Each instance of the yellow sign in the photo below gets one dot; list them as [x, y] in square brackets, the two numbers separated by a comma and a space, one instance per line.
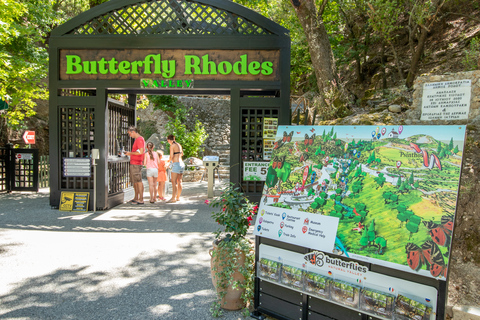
[74, 201]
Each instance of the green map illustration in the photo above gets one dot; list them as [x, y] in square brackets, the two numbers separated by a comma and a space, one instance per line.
[393, 188]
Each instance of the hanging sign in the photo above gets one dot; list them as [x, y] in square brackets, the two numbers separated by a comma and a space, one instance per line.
[29, 137]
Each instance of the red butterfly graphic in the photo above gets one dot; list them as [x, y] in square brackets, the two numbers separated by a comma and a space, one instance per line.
[441, 233]
[277, 144]
[303, 157]
[438, 266]
[287, 137]
[278, 162]
[309, 140]
[418, 256]
[298, 132]
[312, 130]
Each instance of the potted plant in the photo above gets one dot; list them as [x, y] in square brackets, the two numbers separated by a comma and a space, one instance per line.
[232, 256]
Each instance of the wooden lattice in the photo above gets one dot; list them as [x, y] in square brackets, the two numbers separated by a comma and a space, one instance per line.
[177, 17]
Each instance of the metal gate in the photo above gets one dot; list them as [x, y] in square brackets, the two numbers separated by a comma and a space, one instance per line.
[18, 169]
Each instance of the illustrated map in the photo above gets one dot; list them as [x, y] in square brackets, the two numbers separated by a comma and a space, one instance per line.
[393, 188]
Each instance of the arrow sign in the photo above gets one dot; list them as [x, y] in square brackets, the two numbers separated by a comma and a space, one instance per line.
[29, 137]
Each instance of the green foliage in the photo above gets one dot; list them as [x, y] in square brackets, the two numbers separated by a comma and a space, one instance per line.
[190, 139]
[471, 54]
[165, 103]
[234, 214]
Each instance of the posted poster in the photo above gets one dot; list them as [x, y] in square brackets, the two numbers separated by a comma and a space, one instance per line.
[393, 189]
[270, 126]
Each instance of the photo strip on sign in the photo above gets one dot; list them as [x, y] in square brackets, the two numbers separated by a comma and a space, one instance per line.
[388, 193]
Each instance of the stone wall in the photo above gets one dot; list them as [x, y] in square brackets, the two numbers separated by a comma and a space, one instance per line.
[214, 113]
[414, 113]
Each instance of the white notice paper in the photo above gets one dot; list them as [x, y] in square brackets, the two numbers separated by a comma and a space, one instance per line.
[448, 100]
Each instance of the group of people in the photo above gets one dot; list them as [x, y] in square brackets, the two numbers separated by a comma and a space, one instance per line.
[156, 168]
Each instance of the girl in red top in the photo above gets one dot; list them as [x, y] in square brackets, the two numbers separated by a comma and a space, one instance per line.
[162, 176]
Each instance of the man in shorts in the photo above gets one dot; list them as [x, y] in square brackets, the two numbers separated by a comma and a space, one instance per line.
[136, 164]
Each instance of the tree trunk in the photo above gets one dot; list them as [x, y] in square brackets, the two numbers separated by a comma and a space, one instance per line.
[416, 58]
[319, 45]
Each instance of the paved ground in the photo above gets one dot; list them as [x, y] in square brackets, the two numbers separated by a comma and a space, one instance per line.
[131, 262]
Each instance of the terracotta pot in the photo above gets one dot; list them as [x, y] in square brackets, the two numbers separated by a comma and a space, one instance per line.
[232, 300]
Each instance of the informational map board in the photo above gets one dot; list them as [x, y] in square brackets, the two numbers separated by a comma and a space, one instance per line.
[74, 201]
[392, 190]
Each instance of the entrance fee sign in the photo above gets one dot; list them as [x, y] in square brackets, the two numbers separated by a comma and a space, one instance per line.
[255, 170]
[299, 228]
[448, 100]
[393, 189]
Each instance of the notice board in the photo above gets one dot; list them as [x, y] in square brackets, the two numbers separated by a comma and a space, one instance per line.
[381, 196]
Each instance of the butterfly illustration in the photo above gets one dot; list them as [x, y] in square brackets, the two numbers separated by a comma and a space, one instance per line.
[278, 144]
[418, 256]
[278, 162]
[312, 258]
[309, 140]
[298, 132]
[303, 157]
[437, 266]
[441, 233]
[287, 137]
[312, 130]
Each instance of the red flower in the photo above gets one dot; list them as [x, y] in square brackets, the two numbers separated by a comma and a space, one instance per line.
[207, 202]
[249, 218]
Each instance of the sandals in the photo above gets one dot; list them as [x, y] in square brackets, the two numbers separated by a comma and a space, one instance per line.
[171, 201]
[133, 201]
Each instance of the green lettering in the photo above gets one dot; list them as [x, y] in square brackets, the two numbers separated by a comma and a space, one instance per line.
[90, 67]
[179, 83]
[189, 83]
[206, 64]
[155, 83]
[112, 66]
[192, 62]
[135, 65]
[171, 84]
[240, 67]
[168, 67]
[267, 68]
[163, 84]
[102, 66]
[124, 67]
[225, 67]
[253, 68]
[147, 62]
[145, 83]
[73, 64]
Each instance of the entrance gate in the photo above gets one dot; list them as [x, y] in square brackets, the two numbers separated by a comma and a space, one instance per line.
[18, 169]
[202, 47]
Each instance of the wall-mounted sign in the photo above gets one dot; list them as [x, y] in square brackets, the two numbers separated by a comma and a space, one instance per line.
[393, 188]
[122, 64]
[255, 170]
[24, 156]
[74, 201]
[269, 132]
[448, 100]
[77, 167]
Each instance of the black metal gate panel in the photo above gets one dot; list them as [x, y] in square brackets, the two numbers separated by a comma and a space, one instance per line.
[18, 169]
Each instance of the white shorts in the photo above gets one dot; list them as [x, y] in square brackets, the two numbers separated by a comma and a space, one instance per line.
[152, 172]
